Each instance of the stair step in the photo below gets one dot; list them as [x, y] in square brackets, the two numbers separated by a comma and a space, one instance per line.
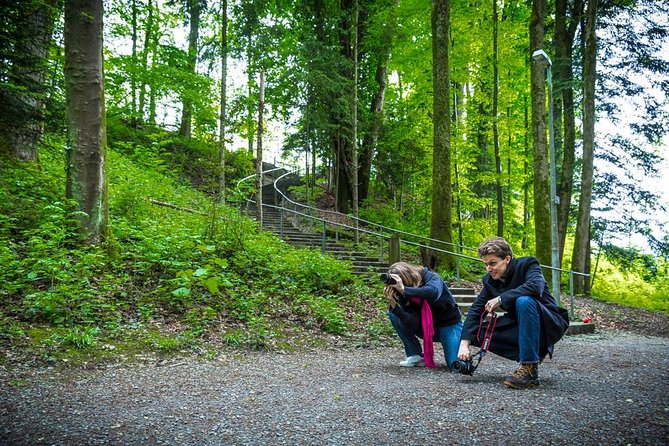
[464, 299]
[362, 263]
[463, 291]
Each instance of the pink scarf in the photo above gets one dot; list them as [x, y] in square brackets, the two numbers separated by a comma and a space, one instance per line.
[428, 332]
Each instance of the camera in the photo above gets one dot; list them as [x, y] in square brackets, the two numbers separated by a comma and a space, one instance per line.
[385, 278]
[464, 367]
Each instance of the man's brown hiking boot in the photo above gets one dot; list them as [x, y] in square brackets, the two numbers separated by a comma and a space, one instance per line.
[526, 376]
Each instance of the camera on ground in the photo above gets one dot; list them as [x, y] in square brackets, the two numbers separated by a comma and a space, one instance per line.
[463, 367]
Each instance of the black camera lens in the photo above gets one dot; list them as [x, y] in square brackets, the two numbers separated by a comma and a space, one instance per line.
[385, 278]
[463, 367]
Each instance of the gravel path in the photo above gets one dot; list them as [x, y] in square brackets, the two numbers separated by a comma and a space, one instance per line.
[610, 388]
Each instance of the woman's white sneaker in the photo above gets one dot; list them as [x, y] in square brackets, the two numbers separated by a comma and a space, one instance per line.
[413, 361]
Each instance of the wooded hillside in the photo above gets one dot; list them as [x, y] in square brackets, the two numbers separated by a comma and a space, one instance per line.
[449, 119]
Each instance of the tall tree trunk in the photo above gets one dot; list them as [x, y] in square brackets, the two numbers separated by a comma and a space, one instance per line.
[376, 110]
[342, 177]
[133, 64]
[440, 227]
[250, 130]
[261, 107]
[495, 124]
[542, 222]
[371, 137]
[582, 240]
[29, 71]
[565, 31]
[146, 49]
[527, 177]
[354, 120]
[155, 39]
[194, 8]
[224, 85]
[86, 181]
[457, 103]
[509, 145]
[343, 148]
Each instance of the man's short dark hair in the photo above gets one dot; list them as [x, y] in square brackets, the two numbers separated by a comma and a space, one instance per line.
[496, 246]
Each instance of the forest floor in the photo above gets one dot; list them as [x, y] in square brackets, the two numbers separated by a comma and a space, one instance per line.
[611, 387]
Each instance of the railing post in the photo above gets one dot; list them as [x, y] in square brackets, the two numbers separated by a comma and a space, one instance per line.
[394, 250]
[556, 289]
[324, 235]
[380, 248]
[281, 223]
[571, 293]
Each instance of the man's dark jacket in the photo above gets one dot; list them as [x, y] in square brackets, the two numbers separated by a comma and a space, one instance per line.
[435, 292]
[523, 278]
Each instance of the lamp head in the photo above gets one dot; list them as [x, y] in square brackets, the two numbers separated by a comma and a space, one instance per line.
[541, 56]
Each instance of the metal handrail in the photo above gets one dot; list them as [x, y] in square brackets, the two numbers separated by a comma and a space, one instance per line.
[253, 175]
[395, 231]
[360, 220]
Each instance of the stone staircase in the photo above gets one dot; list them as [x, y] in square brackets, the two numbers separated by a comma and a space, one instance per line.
[465, 298]
[362, 263]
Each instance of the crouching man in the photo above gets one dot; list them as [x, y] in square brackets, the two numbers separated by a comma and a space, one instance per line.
[532, 322]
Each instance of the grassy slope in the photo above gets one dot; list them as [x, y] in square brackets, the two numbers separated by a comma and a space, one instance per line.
[169, 281]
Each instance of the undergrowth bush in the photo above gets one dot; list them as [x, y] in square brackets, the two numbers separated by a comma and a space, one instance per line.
[167, 268]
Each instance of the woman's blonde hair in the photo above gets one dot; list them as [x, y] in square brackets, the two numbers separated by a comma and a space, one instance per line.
[410, 274]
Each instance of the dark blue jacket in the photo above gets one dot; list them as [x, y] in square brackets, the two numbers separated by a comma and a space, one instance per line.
[435, 292]
[523, 278]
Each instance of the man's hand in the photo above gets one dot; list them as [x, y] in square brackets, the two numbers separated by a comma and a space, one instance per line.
[463, 352]
[493, 304]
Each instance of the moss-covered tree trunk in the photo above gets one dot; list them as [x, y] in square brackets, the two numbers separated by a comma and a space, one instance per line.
[582, 240]
[542, 221]
[84, 92]
[440, 227]
[565, 31]
[28, 74]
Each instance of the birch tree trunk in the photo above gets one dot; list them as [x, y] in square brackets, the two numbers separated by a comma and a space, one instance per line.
[86, 180]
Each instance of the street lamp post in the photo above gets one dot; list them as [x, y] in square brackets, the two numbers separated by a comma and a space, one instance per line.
[540, 56]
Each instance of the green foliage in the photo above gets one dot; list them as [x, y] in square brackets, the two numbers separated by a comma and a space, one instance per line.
[79, 337]
[170, 266]
[627, 288]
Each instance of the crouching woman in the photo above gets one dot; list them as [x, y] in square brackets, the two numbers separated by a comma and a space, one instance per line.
[422, 306]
